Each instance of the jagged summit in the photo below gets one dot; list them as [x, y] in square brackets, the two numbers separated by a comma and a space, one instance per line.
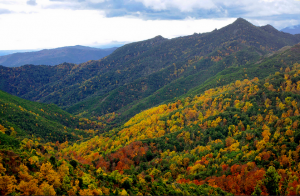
[239, 24]
[241, 21]
[159, 37]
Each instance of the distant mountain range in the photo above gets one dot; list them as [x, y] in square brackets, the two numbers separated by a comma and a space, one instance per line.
[292, 29]
[71, 54]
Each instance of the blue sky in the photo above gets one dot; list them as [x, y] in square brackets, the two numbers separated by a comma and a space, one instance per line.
[38, 24]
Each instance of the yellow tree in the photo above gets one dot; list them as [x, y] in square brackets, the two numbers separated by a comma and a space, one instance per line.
[7, 184]
[266, 133]
[46, 189]
[29, 188]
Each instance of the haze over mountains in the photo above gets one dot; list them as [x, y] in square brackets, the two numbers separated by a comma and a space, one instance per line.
[71, 54]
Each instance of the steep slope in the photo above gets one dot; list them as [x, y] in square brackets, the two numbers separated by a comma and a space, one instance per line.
[234, 62]
[269, 64]
[155, 122]
[22, 119]
[262, 68]
[70, 54]
[136, 71]
[168, 83]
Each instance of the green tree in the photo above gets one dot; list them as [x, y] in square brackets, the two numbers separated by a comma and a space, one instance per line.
[53, 160]
[148, 178]
[257, 190]
[271, 181]
[73, 163]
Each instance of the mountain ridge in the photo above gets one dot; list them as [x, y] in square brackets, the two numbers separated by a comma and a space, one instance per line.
[71, 54]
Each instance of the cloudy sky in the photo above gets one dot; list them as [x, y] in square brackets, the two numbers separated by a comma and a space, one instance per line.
[39, 24]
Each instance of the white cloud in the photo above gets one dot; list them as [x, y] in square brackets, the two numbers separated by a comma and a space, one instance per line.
[31, 2]
[96, 1]
[56, 28]
[185, 6]
[51, 24]
[271, 7]
[249, 7]
[277, 24]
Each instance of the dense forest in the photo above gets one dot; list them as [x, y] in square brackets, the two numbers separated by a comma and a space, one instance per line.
[237, 134]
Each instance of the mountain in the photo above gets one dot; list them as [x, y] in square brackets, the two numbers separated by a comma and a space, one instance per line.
[292, 29]
[143, 74]
[267, 64]
[240, 137]
[70, 54]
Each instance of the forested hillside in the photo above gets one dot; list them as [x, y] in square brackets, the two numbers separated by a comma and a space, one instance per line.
[22, 119]
[261, 68]
[144, 74]
[240, 137]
